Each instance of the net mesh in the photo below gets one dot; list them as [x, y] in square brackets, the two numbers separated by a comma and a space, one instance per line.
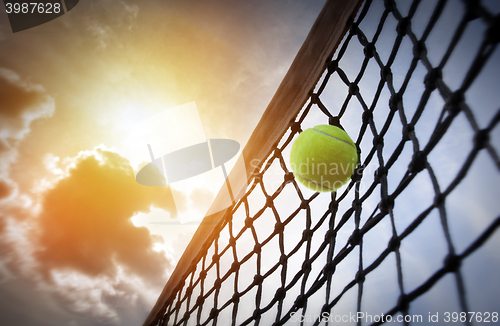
[402, 70]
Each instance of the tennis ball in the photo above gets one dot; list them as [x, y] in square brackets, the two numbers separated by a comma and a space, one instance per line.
[323, 158]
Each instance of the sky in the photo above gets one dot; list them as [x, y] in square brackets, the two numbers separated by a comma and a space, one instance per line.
[81, 242]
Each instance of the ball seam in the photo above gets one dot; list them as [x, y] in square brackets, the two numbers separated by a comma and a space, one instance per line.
[344, 141]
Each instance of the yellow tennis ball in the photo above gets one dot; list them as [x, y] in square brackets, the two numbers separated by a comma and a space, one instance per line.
[323, 158]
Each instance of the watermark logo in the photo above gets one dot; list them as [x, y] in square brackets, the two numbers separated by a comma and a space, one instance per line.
[28, 14]
[194, 166]
[353, 318]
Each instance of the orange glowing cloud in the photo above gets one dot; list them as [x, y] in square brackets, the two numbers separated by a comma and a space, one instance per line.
[85, 221]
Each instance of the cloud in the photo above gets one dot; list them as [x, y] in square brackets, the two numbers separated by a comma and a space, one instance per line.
[21, 102]
[123, 300]
[85, 222]
[82, 228]
[5, 189]
[81, 261]
[106, 19]
[21, 303]
[16, 96]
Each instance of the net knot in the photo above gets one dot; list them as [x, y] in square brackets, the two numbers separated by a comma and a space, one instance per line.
[408, 132]
[378, 140]
[395, 101]
[418, 163]
[353, 89]
[256, 314]
[438, 200]
[369, 50]
[335, 121]
[215, 258]
[379, 174]
[277, 153]
[358, 173]
[493, 33]
[203, 274]
[385, 73]
[332, 66]
[295, 127]
[306, 266]
[386, 204]
[214, 313]
[353, 29]
[394, 243]
[280, 294]
[333, 206]
[330, 268]
[288, 177]
[236, 297]
[472, 10]
[269, 201]
[257, 248]
[283, 259]
[360, 277]
[430, 80]
[278, 227]
[235, 266]
[258, 177]
[300, 301]
[389, 5]
[232, 242]
[315, 98]
[304, 204]
[419, 50]
[186, 315]
[403, 302]
[217, 284]
[257, 279]
[367, 116]
[307, 235]
[355, 238]
[452, 263]
[330, 234]
[453, 105]
[481, 139]
[200, 301]
[403, 26]
[248, 222]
